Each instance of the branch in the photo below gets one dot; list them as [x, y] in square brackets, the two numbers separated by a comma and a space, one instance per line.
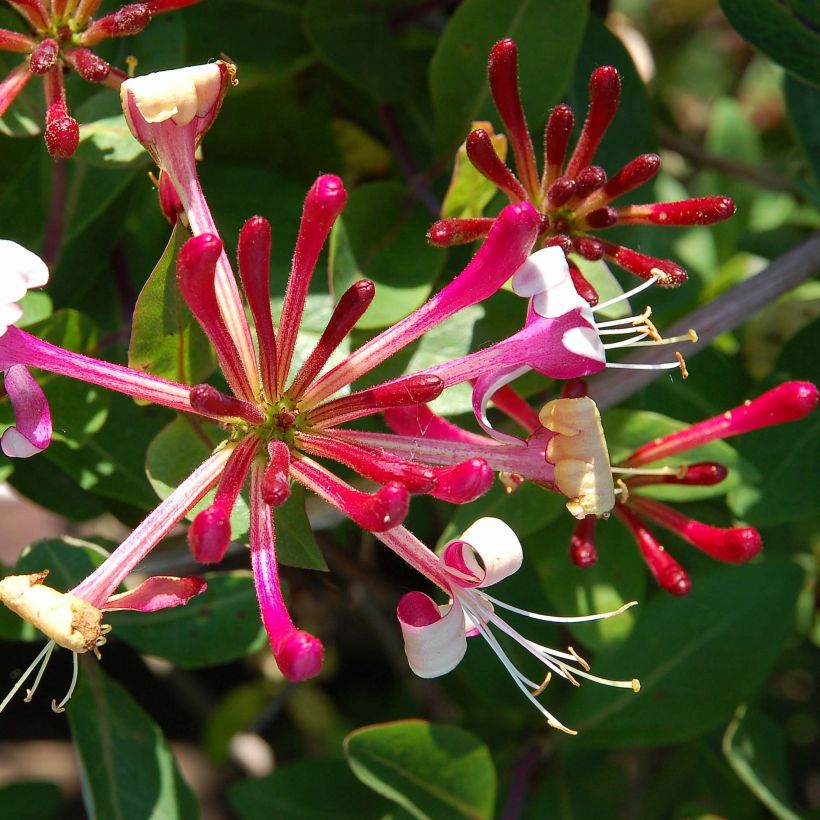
[726, 312]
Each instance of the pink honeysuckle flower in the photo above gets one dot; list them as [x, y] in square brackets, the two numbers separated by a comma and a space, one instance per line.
[789, 401]
[59, 39]
[435, 637]
[561, 338]
[572, 196]
[277, 428]
[21, 270]
[592, 495]
[73, 620]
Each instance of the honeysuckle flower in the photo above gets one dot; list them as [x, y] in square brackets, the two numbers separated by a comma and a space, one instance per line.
[789, 401]
[21, 270]
[278, 423]
[573, 196]
[73, 620]
[59, 39]
[435, 637]
[561, 339]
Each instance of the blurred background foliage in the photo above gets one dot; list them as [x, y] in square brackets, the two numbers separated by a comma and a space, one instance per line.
[187, 714]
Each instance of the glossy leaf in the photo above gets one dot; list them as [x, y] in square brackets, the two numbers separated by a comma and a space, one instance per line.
[127, 765]
[105, 138]
[696, 658]
[430, 771]
[295, 543]
[217, 626]
[548, 34]
[786, 32]
[379, 237]
[357, 40]
[30, 800]
[803, 104]
[755, 746]
[166, 340]
[291, 792]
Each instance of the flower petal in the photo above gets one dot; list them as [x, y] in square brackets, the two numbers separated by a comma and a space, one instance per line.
[434, 642]
[32, 434]
[9, 314]
[159, 592]
[487, 552]
[545, 277]
[16, 259]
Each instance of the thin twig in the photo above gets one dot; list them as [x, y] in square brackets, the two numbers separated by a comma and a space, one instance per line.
[402, 153]
[726, 312]
[702, 158]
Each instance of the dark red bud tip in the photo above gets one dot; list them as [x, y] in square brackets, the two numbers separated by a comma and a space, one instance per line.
[209, 535]
[704, 474]
[741, 544]
[582, 285]
[705, 210]
[633, 175]
[383, 510]
[169, 202]
[589, 248]
[482, 154]
[299, 656]
[675, 580]
[275, 487]
[448, 232]
[561, 241]
[582, 550]
[589, 179]
[562, 190]
[505, 49]
[574, 389]
[129, 20]
[605, 85]
[795, 399]
[89, 66]
[326, 198]
[408, 390]
[62, 136]
[44, 56]
[463, 482]
[556, 137]
[602, 218]
[669, 274]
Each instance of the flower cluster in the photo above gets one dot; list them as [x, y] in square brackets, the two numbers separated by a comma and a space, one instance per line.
[60, 36]
[283, 422]
[572, 196]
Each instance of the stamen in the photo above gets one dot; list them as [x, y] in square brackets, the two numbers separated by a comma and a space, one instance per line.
[59, 708]
[578, 658]
[44, 652]
[634, 341]
[537, 616]
[683, 371]
[543, 686]
[30, 692]
[661, 366]
[678, 472]
[625, 295]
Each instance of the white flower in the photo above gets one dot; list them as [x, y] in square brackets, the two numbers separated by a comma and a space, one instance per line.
[20, 270]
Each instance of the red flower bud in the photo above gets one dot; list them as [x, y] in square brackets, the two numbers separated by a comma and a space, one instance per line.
[448, 232]
[482, 154]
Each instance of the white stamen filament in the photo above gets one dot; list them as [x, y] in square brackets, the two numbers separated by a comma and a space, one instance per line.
[661, 366]
[44, 652]
[635, 340]
[680, 472]
[626, 295]
[40, 673]
[558, 619]
[627, 320]
[60, 707]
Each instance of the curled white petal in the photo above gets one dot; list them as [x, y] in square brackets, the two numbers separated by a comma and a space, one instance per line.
[9, 314]
[488, 550]
[584, 341]
[433, 646]
[545, 277]
[179, 94]
[19, 261]
[15, 445]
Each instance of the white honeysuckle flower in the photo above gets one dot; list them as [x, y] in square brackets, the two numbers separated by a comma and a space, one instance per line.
[435, 637]
[20, 271]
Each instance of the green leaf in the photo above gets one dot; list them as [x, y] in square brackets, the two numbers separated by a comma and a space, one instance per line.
[803, 105]
[175, 452]
[291, 792]
[356, 39]
[166, 340]
[755, 746]
[105, 138]
[295, 543]
[217, 626]
[470, 191]
[30, 800]
[696, 658]
[628, 429]
[381, 237]
[128, 769]
[786, 31]
[618, 576]
[548, 34]
[431, 771]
